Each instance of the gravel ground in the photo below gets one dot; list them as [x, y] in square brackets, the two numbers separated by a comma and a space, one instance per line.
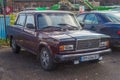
[24, 66]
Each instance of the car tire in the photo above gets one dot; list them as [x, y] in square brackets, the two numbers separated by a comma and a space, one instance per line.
[46, 60]
[15, 48]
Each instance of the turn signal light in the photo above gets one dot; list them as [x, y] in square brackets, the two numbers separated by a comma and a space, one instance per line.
[107, 43]
[61, 48]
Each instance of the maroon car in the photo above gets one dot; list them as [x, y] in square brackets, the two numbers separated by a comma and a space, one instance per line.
[55, 36]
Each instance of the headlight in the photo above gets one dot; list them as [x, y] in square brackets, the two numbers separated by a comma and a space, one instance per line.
[66, 47]
[104, 44]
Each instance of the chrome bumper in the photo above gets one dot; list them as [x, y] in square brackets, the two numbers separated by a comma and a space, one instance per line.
[77, 56]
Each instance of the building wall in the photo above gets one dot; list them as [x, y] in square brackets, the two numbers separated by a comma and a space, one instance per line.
[19, 5]
[106, 2]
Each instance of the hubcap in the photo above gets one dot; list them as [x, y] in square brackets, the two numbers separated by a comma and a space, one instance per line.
[45, 58]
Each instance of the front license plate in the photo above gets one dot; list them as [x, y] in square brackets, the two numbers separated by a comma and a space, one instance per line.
[89, 57]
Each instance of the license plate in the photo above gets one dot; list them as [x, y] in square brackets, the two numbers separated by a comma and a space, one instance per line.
[89, 57]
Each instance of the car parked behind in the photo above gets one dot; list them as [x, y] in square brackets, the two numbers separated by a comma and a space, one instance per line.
[105, 22]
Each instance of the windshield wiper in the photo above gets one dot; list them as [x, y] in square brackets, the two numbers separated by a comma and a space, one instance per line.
[68, 26]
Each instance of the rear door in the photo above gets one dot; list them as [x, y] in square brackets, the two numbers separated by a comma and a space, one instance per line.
[91, 22]
[80, 18]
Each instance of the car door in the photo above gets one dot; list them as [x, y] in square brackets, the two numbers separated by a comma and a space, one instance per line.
[91, 22]
[30, 39]
[18, 29]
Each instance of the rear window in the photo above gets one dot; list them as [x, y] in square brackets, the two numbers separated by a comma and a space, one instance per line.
[112, 17]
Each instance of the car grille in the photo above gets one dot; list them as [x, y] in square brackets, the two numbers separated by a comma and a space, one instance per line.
[88, 44]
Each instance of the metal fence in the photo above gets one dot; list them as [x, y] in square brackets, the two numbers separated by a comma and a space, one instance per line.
[2, 26]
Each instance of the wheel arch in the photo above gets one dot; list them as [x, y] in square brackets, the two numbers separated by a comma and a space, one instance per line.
[44, 44]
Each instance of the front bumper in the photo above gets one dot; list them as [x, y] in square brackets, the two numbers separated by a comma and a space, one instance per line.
[71, 57]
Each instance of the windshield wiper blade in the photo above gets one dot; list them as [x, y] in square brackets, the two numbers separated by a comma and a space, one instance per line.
[69, 26]
[52, 27]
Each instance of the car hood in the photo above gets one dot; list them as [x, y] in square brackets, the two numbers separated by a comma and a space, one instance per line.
[73, 35]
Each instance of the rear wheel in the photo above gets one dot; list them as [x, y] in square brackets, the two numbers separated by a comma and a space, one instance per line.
[14, 46]
[46, 60]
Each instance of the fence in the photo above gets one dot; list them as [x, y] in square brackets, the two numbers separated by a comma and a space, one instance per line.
[2, 26]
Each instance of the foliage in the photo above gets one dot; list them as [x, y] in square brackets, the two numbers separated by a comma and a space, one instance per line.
[12, 18]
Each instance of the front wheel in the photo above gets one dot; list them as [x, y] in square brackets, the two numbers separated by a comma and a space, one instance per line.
[15, 47]
[46, 59]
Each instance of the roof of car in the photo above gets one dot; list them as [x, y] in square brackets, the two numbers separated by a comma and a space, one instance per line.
[108, 11]
[102, 12]
[45, 11]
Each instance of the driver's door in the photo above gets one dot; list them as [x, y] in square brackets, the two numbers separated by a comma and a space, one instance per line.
[91, 22]
[30, 39]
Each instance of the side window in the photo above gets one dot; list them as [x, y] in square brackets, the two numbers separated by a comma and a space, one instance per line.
[95, 20]
[81, 17]
[21, 20]
[91, 19]
[30, 20]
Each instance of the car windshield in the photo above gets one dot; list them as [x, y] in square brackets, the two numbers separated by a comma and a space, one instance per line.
[57, 20]
[112, 17]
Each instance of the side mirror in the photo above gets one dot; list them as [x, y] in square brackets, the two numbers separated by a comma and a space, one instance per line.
[30, 26]
[82, 24]
[14, 23]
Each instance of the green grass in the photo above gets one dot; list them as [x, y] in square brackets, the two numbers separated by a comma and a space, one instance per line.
[3, 42]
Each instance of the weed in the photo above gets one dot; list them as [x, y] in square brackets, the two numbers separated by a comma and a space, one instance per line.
[3, 42]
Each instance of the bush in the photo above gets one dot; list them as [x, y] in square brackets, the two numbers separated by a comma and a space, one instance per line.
[12, 18]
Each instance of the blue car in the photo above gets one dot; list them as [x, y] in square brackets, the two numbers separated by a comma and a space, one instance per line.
[105, 22]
